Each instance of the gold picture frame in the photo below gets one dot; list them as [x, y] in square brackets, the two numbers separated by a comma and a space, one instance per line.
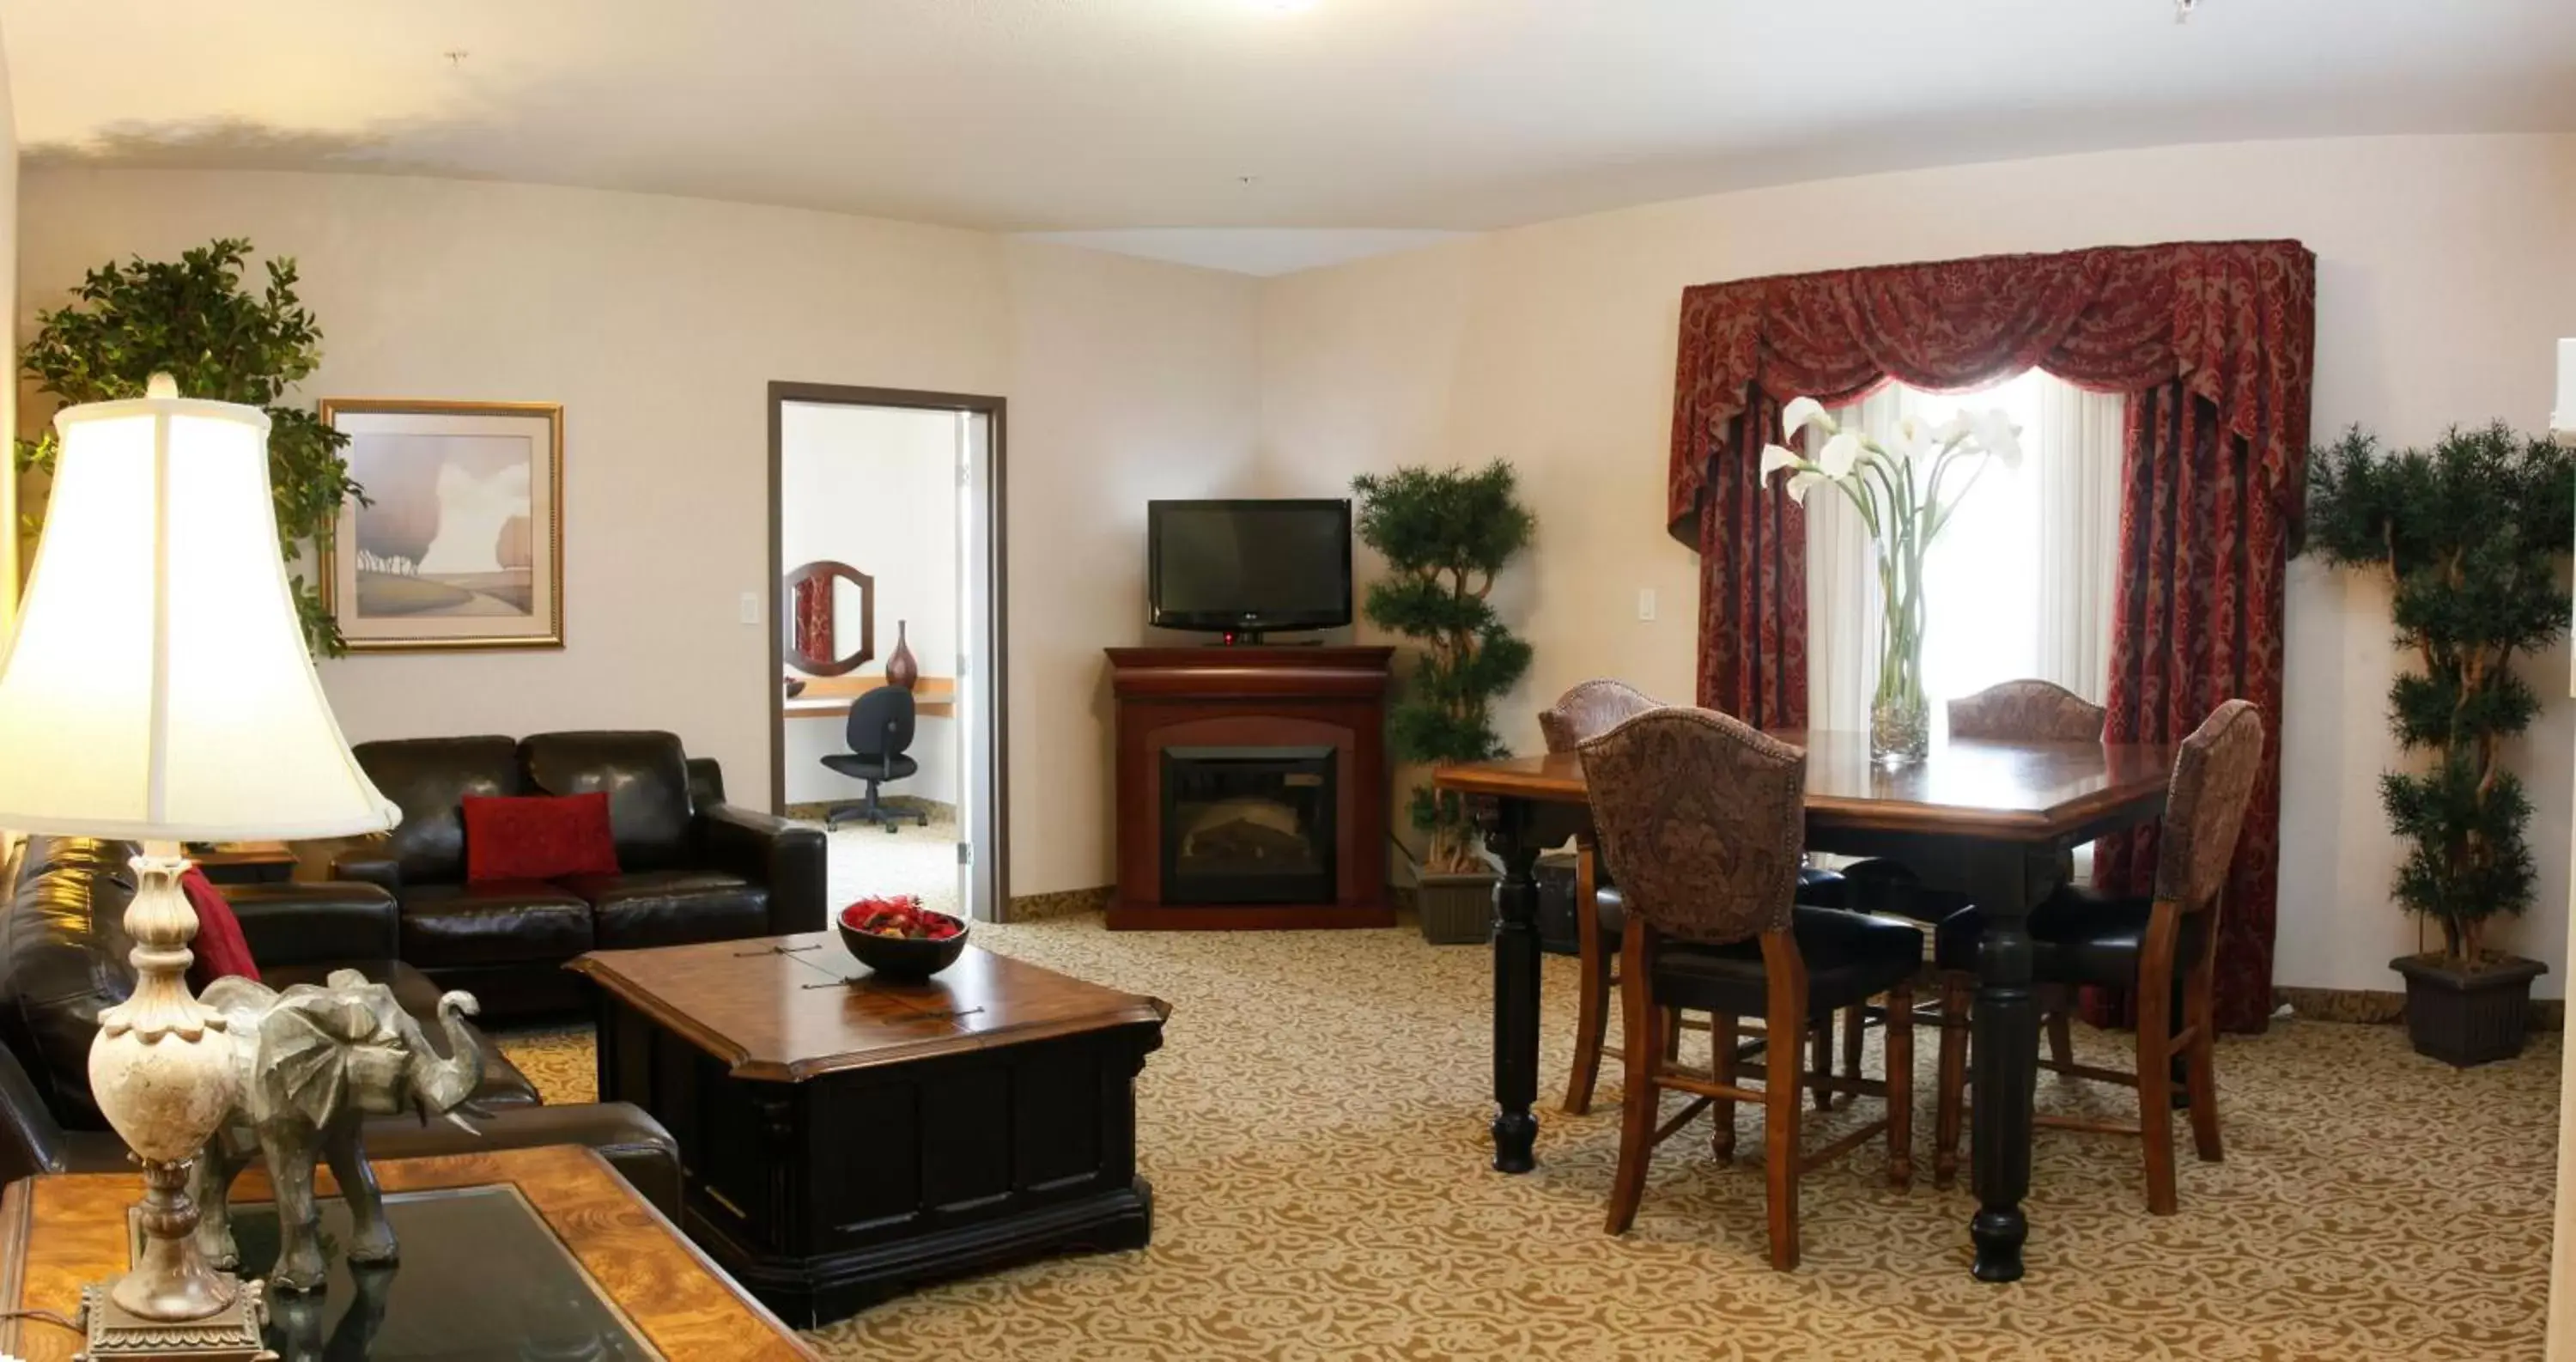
[462, 546]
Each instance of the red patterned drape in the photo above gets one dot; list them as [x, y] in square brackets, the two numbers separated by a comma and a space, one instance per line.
[2215, 342]
[2198, 615]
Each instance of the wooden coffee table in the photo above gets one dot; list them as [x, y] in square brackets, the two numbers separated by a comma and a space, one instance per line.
[846, 1138]
[501, 1252]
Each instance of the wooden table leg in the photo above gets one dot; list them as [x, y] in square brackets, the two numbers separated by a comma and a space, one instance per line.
[2006, 1056]
[1511, 835]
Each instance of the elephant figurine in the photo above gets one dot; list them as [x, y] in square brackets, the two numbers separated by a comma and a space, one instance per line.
[313, 1064]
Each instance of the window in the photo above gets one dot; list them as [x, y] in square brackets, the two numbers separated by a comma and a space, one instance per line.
[2019, 582]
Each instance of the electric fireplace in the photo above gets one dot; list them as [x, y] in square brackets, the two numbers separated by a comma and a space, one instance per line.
[1247, 825]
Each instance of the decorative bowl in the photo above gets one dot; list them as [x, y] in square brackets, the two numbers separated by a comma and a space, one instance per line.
[899, 957]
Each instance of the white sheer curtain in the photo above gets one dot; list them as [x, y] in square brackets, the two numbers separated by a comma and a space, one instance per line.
[2018, 585]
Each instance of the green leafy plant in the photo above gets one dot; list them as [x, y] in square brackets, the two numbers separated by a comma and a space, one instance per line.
[1446, 536]
[2469, 535]
[192, 319]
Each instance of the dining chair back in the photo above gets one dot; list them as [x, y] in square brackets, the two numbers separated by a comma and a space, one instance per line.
[2027, 711]
[2213, 779]
[1705, 818]
[1589, 710]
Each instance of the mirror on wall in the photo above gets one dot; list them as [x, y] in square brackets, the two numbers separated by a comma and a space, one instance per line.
[831, 618]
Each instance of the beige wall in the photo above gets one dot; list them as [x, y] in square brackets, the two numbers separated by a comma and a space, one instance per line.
[658, 323]
[2446, 266]
[9, 545]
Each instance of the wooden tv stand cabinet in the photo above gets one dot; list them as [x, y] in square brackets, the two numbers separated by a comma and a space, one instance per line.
[1249, 699]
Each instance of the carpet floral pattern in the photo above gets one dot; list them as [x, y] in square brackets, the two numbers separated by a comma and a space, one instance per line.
[1314, 1129]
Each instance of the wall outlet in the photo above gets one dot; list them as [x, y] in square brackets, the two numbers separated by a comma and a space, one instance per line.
[751, 607]
[1645, 602]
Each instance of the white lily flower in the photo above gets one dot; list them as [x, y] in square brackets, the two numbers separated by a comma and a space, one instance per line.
[1800, 481]
[1840, 455]
[1775, 458]
[1998, 436]
[1913, 438]
[1952, 431]
[1803, 412]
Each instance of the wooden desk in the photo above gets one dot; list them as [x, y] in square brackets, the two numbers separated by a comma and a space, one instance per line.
[1990, 819]
[58, 1232]
[829, 697]
[994, 1104]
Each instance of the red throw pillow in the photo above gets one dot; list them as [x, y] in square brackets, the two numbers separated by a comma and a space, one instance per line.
[537, 837]
[220, 946]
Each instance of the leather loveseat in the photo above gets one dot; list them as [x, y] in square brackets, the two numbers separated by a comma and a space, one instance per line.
[691, 867]
[63, 960]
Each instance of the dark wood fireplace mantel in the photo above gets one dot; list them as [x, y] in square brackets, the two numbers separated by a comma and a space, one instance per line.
[1252, 698]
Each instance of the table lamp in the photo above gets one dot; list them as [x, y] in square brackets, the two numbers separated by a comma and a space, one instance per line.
[158, 688]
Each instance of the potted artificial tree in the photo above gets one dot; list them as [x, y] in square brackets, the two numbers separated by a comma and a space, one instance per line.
[193, 319]
[1446, 536]
[2469, 535]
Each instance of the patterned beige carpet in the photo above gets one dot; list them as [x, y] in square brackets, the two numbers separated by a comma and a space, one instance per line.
[1314, 1128]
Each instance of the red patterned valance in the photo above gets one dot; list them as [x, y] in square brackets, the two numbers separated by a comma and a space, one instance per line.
[2231, 319]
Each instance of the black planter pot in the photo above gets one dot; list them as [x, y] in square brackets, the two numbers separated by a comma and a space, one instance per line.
[2463, 1017]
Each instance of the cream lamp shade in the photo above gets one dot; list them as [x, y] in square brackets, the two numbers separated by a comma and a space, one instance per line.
[158, 686]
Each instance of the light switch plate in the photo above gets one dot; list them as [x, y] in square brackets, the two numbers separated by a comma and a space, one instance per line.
[1645, 602]
[751, 607]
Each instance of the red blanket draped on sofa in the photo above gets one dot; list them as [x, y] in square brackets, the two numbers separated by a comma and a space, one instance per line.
[2213, 341]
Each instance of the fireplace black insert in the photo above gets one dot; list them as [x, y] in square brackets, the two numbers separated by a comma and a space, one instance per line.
[1248, 825]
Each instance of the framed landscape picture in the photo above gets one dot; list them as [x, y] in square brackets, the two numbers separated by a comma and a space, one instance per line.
[461, 545]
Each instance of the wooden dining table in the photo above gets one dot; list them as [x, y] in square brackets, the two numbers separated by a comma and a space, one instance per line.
[1993, 820]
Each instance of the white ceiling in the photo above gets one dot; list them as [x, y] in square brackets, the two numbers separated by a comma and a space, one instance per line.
[1092, 115]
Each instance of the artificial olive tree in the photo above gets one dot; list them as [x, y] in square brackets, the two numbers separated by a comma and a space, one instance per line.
[192, 319]
[1446, 535]
[2469, 535]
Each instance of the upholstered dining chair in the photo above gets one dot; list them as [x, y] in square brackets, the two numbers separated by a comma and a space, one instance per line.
[2149, 945]
[1588, 710]
[2028, 710]
[1704, 817]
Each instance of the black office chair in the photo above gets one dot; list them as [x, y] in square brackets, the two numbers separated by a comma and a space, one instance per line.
[880, 730]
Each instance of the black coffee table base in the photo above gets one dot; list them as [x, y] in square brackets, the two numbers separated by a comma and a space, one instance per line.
[825, 1196]
[817, 1291]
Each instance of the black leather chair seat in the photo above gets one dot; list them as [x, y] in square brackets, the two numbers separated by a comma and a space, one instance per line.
[2079, 936]
[870, 768]
[471, 924]
[1849, 959]
[1816, 888]
[671, 907]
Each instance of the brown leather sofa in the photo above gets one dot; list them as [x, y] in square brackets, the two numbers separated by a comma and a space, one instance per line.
[691, 866]
[63, 960]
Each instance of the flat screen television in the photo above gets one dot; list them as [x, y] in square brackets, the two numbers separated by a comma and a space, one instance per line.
[1245, 567]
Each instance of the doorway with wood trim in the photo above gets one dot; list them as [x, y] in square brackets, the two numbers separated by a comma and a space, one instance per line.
[886, 671]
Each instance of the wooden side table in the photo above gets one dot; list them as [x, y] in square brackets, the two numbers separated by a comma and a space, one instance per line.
[501, 1252]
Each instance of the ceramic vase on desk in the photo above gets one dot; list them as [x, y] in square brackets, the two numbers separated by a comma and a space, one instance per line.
[901, 668]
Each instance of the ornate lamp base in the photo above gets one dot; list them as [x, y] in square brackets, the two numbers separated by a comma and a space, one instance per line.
[231, 1334]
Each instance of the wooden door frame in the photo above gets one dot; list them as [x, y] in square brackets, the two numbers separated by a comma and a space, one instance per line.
[997, 559]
